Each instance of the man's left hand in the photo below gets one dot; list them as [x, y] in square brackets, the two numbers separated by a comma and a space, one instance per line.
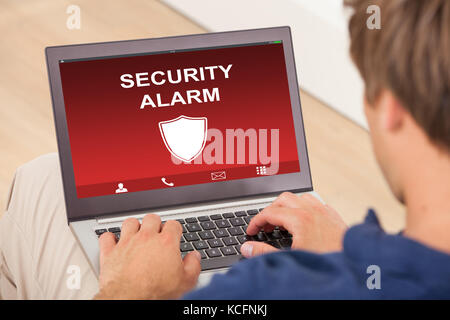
[146, 262]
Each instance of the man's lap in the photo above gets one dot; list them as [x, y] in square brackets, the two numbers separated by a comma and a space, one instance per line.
[36, 245]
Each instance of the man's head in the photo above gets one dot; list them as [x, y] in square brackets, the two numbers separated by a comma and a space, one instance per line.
[406, 69]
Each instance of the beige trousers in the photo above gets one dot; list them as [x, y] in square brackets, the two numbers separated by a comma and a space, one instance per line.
[39, 256]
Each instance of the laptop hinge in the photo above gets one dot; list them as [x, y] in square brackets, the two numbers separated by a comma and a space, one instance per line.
[185, 209]
[196, 208]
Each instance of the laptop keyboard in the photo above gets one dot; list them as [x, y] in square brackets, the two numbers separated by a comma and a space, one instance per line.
[218, 237]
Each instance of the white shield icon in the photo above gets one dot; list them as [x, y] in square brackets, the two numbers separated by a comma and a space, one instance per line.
[184, 137]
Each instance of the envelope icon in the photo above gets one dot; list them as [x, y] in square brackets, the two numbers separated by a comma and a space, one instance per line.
[220, 175]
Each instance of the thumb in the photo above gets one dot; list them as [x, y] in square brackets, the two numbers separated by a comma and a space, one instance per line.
[192, 269]
[253, 248]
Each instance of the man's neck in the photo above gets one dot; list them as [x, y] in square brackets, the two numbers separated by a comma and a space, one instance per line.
[427, 198]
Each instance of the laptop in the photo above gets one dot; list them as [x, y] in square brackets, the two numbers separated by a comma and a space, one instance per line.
[205, 129]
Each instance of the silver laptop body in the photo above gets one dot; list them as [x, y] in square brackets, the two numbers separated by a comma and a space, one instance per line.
[90, 208]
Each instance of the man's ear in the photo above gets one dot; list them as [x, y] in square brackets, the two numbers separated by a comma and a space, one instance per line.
[393, 113]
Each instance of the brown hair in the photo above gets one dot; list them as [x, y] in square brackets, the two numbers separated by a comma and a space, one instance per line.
[409, 55]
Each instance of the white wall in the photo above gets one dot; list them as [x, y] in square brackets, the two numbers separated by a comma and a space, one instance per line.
[319, 29]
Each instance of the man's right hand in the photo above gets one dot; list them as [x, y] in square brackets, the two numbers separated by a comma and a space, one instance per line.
[314, 227]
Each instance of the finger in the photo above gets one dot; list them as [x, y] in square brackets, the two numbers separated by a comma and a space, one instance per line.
[309, 198]
[333, 213]
[331, 210]
[273, 216]
[287, 199]
[106, 242]
[252, 248]
[266, 228]
[173, 227]
[151, 223]
[312, 204]
[129, 227]
[192, 269]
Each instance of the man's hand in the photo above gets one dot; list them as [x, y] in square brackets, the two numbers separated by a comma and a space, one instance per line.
[314, 226]
[146, 262]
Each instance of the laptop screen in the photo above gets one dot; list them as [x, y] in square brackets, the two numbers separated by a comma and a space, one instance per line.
[177, 118]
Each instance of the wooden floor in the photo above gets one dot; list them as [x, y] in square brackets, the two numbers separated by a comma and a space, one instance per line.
[343, 168]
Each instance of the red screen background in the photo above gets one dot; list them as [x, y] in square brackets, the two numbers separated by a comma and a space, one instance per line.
[112, 140]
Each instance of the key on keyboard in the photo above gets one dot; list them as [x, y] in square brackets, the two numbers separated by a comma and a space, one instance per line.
[206, 235]
[228, 251]
[235, 231]
[193, 227]
[200, 245]
[208, 225]
[222, 224]
[99, 232]
[220, 233]
[240, 214]
[191, 237]
[237, 222]
[215, 243]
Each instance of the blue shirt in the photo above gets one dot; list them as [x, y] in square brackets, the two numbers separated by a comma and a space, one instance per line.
[407, 270]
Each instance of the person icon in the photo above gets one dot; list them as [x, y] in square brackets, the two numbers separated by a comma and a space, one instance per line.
[121, 188]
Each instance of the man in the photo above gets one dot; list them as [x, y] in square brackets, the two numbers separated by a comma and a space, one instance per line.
[406, 69]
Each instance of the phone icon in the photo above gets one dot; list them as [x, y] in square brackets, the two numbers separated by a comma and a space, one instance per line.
[170, 184]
